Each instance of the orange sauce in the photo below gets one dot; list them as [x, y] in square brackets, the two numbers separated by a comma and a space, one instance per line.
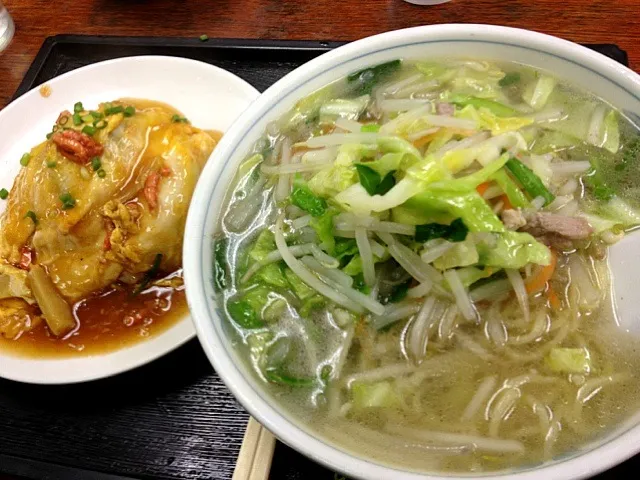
[108, 321]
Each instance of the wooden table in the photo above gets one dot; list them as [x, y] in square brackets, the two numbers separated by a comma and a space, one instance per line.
[590, 21]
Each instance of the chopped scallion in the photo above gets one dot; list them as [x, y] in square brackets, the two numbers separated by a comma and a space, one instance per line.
[4, 193]
[204, 38]
[77, 108]
[32, 215]
[96, 163]
[129, 111]
[178, 119]
[101, 173]
[24, 160]
[77, 119]
[113, 110]
[100, 124]
[67, 200]
[89, 129]
[52, 164]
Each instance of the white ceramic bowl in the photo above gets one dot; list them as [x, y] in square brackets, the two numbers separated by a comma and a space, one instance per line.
[585, 68]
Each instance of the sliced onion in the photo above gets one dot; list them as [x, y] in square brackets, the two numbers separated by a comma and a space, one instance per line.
[284, 181]
[570, 168]
[348, 125]
[334, 274]
[401, 104]
[309, 278]
[392, 88]
[434, 249]
[366, 256]
[341, 138]
[463, 301]
[520, 290]
[422, 133]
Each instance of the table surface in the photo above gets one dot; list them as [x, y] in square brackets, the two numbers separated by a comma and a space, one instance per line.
[587, 21]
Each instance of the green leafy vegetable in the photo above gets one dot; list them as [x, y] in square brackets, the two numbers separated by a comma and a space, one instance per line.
[510, 78]
[220, 272]
[399, 292]
[569, 360]
[370, 128]
[244, 315]
[538, 92]
[372, 182]
[512, 250]
[350, 108]
[263, 245]
[323, 226]
[77, 107]
[529, 180]
[366, 79]
[276, 375]
[456, 231]
[494, 107]
[311, 304]
[301, 289]
[175, 118]
[462, 254]
[273, 274]
[374, 395]
[304, 198]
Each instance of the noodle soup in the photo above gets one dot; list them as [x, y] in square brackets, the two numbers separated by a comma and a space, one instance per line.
[414, 260]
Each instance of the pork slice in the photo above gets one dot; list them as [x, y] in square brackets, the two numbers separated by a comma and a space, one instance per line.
[540, 224]
[513, 219]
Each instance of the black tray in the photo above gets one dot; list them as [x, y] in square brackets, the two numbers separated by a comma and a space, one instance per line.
[174, 418]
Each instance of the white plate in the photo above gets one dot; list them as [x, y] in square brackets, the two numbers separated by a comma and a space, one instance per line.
[210, 97]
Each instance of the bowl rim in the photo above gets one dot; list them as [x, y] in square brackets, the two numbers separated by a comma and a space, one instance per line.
[579, 464]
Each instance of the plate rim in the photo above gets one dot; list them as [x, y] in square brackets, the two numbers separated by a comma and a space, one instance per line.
[183, 329]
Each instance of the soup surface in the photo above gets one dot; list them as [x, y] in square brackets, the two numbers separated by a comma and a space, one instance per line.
[91, 237]
[414, 261]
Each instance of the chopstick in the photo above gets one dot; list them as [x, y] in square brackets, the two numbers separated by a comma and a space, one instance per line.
[256, 453]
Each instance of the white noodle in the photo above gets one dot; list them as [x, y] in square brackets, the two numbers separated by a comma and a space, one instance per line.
[420, 290]
[447, 324]
[476, 442]
[520, 290]
[340, 139]
[334, 274]
[487, 386]
[570, 168]
[377, 374]
[366, 256]
[419, 332]
[284, 181]
[464, 303]
[309, 278]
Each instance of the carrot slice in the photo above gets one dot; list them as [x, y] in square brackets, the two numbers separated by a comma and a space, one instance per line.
[151, 190]
[482, 188]
[422, 141]
[540, 279]
[554, 301]
[506, 203]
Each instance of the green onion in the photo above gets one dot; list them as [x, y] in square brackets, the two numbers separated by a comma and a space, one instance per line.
[529, 180]
[67, 200]
[178, 119]
[49, 135]
[77, 119]
[88, 118]
[52, 164]
[24, 160]
[509, 79]
[96, 163]
[96, 115]
[31, 214]
[113, 110]
[100, 124]
[204, 38]
[63, 120]
[370, 127]
[101, 173]
[77, 108]
[89, 129]
[129, 111]
[4, 193]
